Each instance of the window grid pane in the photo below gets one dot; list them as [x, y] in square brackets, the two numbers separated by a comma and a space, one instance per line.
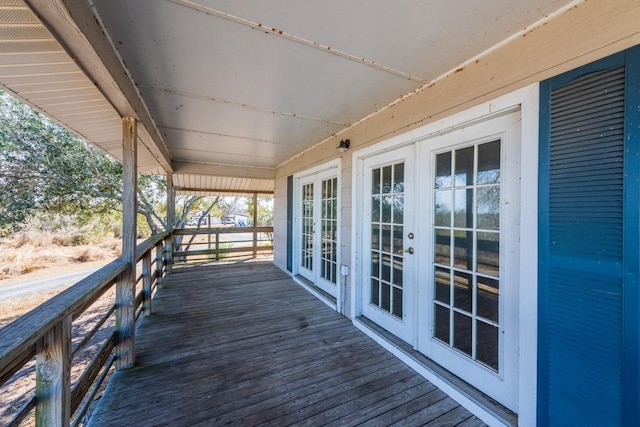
[306, 260]
[328, 234]
[387, 217]
[466, 259]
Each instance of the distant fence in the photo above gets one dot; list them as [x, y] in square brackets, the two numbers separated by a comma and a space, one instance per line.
[216, 243]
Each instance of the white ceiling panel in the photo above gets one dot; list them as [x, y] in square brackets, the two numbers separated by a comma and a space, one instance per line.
[242, 83]
[423, 38]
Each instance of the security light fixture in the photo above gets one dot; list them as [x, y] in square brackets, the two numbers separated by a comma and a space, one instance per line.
[344, 145]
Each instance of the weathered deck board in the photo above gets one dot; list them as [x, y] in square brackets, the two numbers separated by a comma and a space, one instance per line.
[243, 344]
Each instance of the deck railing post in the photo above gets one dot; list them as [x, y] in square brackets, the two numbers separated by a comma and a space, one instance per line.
[255, 224]
[53, 376]
[171, 221]
[125, 287]
[146, 282]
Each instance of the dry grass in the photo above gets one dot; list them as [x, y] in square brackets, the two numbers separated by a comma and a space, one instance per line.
[28, 252]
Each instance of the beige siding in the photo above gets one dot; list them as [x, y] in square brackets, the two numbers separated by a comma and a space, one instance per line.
[589, 31]
[280, 222]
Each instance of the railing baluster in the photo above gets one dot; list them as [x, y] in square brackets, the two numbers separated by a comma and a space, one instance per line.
[168, 244]
[53, 376]
[146, 282]
[217, 245]
[159, 264]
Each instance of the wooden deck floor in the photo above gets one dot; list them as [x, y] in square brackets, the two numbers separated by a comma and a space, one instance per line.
[243, 344]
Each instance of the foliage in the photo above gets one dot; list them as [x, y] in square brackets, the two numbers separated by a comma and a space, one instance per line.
[265, 210]
[45, 167]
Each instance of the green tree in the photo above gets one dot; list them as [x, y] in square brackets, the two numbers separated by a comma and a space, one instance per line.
[44, 167]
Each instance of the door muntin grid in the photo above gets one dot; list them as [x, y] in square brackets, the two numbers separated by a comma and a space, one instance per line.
[387, 221]
[329, 230]
[306, 258]
[466, 232]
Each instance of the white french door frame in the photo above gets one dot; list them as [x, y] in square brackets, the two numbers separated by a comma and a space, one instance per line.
[315, 176]
[402, 327]
[502, 385]
[527, 101]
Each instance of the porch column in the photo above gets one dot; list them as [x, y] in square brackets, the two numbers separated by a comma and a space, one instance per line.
[255, 224]
[125, 289]
[171, 219]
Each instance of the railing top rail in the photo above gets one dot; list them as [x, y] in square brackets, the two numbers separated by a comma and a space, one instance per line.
[149, 244]
[19, 337]
[221, 230]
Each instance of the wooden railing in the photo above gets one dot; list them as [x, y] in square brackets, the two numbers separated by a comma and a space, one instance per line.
[45, 333]
[213, 244]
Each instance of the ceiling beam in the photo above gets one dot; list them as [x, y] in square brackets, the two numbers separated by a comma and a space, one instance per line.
[73, 24]
[189, 168]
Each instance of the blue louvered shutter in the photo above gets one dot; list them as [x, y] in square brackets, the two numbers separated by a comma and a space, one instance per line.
[583, 198]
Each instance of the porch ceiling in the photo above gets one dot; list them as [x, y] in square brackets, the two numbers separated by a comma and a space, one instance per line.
[236, 88]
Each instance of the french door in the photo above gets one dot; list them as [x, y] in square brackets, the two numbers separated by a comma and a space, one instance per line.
[318, 230]
[469, 220]
[388, 241]
[439, 250]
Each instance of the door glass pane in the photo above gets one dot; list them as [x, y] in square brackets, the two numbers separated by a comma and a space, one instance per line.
[489, 163]
[443, 246]
[487, 351]
[306, 259]
[386, 180]
[463, 216]
[443, 285]
[463, 173]
[375, 291]
[463, 249]
[462, 333]
[397, 271]
[441, 324]
[375, 264]
[443, 208]
[463, 291]
[489, 253]
[328, 236]
[466, 299]
[397, 302]
[398, 209]
[488, 293]
[387, 238]
[443, 170]
[489, 207]
[375, 236]
[386, 208]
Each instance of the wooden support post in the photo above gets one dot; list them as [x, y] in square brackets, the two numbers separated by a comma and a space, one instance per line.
[53, 376]
[159, 263]
[146, 282]
[171, 220]
[255, 224]
[125, 288]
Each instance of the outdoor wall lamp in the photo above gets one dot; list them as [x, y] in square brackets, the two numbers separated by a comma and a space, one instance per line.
[344, 145]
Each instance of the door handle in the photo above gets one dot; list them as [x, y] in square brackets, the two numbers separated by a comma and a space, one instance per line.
[409, 250]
